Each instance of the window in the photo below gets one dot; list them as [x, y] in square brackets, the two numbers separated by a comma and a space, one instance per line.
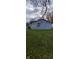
[38, 24]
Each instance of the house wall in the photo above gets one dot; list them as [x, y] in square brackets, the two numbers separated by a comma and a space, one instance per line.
[43, 25]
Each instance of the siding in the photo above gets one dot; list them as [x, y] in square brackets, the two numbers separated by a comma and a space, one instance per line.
[43, 25]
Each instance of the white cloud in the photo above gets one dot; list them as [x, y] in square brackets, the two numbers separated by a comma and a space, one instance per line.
[34, 12]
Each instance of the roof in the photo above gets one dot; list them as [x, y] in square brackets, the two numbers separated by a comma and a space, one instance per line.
[39, 20]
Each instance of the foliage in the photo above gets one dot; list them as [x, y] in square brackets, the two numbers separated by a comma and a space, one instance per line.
[27, 25]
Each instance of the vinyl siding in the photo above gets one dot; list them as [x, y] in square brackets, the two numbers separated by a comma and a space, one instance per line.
[43, 25]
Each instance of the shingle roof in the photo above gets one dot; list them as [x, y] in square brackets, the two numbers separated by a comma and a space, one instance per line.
[39, 20]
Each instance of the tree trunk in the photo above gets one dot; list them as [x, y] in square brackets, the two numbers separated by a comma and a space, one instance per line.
[44, 12]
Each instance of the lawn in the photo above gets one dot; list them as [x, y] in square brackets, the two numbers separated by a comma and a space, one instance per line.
[39, 44]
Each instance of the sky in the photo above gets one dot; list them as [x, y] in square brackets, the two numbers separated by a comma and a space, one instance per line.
[34, 12]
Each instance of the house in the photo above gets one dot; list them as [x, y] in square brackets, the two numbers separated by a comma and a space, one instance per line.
[40, 24]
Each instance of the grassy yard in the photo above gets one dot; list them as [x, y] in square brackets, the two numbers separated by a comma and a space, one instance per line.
[39, 44]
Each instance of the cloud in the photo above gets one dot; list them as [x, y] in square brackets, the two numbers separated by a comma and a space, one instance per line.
[33, 12]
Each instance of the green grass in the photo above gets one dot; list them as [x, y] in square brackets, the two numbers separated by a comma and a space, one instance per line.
[39, 44]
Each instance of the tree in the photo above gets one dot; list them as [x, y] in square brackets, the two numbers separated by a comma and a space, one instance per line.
[41, 3]
[27, 25]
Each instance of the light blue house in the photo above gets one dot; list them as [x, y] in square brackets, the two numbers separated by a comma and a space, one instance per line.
[41, 24]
